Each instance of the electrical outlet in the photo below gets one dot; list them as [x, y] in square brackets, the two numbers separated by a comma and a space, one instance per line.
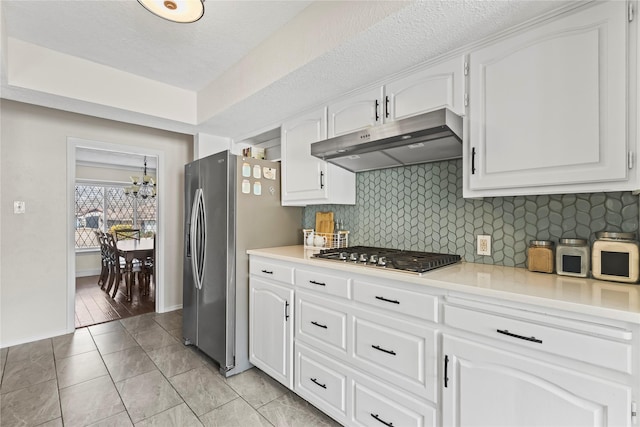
[484, 244]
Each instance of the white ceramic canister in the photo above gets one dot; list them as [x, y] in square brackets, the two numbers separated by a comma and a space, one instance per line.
[616, 257]
[573, 257]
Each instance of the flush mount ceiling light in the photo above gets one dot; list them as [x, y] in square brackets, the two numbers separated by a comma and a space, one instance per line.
[183, 11]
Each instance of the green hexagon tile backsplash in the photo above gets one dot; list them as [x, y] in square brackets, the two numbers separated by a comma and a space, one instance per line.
[421, 208]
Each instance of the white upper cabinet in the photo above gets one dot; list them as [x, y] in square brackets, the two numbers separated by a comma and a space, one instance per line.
[307, 179]
[440, 85]
[355, 113]
[548, 108]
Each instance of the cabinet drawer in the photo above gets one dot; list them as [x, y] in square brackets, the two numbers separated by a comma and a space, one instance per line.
[398, 300]
[281, 273]
[317, 381]
[401, 353]
[317, 321]
[325, 283]
[586, 348]
[376, 410]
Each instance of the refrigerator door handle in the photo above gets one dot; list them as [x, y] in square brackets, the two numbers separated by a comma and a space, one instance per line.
[194, 240]
[202, 225]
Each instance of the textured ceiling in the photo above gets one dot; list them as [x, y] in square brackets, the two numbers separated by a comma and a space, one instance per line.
[123, 35]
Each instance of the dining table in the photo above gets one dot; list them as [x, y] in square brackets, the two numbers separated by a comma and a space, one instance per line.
[130, 250]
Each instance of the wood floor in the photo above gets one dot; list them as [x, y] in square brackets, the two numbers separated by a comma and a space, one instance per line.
[94, 306]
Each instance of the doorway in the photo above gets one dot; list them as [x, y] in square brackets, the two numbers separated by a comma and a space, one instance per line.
[100, 172]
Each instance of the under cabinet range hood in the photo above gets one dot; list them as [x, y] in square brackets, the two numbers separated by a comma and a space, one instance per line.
[428, 137]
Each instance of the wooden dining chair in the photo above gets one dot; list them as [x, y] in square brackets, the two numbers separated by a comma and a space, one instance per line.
[127, 233]
[104, 258]
[117, 267]
[149, 268]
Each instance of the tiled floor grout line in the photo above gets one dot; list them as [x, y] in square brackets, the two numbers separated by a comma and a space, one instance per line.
[110, 377]
[261, 406]
[4, 364]
[166, 378]
[70, 347]
[218, 407]
[161, 373]
[55, 370]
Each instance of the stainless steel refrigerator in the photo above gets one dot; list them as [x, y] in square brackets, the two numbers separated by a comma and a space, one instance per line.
[232, 204]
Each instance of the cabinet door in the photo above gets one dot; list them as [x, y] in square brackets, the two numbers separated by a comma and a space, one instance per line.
[355, 113]
[271, 329]
[303, 176]
[442, 85]
[307, 179]
[547, 107]
[486, 386]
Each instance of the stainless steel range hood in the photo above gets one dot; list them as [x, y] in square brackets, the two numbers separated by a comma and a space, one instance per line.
[425, 138]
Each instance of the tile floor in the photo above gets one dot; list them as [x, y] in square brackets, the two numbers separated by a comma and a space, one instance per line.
[136, 371]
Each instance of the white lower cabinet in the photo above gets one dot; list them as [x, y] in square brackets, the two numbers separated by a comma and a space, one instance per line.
[375, 405]
[374, 352]
[402, 353]
[320, 381]
[486, 386]
[353, 397]
[271, 329]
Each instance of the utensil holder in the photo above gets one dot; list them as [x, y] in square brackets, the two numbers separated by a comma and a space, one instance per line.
[312, 239]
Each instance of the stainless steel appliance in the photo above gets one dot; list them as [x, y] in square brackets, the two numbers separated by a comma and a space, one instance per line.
[231, 204]
[392, 259]
[424, 138]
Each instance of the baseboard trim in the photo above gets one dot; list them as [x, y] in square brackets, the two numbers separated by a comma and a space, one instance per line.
[32, 339]
[172, 308]
[85, 273]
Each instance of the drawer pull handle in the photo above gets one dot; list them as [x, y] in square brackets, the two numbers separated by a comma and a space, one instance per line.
[313, 282]
[377, 347]
[267, 272]
[315, 381]
[510, 334]
[393, 301]
[319, 325]
[377, 418]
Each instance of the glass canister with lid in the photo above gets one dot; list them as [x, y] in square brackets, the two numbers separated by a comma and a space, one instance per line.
[573, 257]
[541, 256]
[616, 256]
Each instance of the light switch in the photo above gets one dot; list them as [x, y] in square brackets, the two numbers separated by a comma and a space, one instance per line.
[18, 207]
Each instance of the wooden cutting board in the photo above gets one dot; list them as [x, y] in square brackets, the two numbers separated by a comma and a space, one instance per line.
[324, 222]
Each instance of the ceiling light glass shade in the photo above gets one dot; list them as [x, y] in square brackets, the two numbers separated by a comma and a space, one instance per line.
[183, 11]
[142, 189]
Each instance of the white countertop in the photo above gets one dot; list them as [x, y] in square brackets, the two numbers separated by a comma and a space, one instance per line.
[615, 301]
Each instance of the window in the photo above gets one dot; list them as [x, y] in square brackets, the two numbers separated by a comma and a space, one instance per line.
[101, 206]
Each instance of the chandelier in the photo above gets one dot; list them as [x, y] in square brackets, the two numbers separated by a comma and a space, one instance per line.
[145, 189]
[183, 11]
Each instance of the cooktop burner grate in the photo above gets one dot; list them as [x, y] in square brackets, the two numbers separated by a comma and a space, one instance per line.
[395, 259]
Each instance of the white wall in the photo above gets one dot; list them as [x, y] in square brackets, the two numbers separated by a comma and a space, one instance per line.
[206, 145]
[48, 71]
[33, 168]
[111, 174]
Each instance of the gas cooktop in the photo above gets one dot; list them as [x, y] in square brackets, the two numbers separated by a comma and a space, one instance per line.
[393, 259]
